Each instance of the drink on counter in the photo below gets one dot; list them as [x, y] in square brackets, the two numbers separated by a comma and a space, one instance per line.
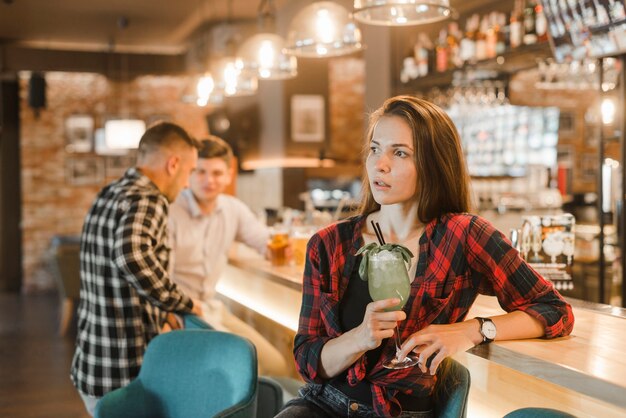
[277, 245]
[300, 239]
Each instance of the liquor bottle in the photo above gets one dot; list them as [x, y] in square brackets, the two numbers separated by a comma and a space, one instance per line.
[491, 36]
[500, 29]
[601, 13]
[616, 7]
[454, 48]
[442, 51]
[541, 24]
[422, 54]
[515, 28]
[530, 33]
[468, 43]
[481, 39]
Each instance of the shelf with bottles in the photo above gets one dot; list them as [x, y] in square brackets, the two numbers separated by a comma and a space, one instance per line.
[509, 62]
[502, 39]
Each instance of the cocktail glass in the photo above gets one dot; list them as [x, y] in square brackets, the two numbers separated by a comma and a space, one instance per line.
[388, 278]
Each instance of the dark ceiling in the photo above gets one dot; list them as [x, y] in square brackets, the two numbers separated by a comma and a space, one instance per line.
[153, 26]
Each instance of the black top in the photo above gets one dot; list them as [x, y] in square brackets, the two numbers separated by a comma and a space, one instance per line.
[351, 311]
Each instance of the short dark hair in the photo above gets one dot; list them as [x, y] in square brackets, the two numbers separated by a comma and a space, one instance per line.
[164, 134]
[215, 147]
[442, 177]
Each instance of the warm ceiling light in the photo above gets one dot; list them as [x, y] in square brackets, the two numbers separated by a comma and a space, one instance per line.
[401, 12]
[323, 29]
[263, 54]
[231, 80]
[201, 91]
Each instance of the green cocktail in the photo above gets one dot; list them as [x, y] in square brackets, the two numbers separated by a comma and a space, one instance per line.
[387, 278]
[386, 270]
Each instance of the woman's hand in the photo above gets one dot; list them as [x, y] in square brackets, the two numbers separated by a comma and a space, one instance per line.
[378, 324]
[442, 341]
[341, 352]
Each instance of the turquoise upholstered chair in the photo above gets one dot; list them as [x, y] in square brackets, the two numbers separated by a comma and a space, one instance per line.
[538, 413]
[453, 391]
[273, 392]
[189, 373]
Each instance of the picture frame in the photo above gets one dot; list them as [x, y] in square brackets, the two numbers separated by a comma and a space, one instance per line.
[568, 128]
[116, 165]
[84, 171]
[79, 132]
[308, 118]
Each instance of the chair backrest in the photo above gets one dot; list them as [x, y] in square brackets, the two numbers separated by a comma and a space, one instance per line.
[538, 413]
[453, 391]
[201, 374]
[192, 321]
[66, 265]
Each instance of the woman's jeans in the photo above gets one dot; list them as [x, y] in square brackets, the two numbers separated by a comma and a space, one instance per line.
[318, 401]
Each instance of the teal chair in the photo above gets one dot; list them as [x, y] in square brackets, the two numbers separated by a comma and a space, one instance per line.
[538, 413]
[452, 392]
[273, 392]
[189, 373]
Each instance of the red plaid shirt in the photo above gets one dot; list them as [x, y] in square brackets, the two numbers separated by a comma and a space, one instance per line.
[459, 256]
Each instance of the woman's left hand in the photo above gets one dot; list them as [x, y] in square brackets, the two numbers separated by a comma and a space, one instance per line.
[439, 340]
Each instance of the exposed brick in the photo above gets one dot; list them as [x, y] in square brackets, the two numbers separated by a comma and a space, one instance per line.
[50, 204]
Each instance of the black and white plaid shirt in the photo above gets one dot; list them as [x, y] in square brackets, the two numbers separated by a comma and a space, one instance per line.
[125, 287]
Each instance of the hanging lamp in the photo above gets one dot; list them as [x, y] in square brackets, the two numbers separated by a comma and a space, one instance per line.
[401, 12]
[323, 29]
[264, 53]
[230, 80]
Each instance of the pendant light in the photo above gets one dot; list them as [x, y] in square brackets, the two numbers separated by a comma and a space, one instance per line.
[264, 53]
[401, 12]
[230, 80]
[200, 90]
[323, 29]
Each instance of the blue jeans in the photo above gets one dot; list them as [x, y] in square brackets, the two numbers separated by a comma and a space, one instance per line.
[324, 401]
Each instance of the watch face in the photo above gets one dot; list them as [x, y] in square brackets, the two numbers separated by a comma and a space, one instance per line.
[489, 330]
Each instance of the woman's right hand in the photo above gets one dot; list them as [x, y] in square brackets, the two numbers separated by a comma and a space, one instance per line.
[378, 324]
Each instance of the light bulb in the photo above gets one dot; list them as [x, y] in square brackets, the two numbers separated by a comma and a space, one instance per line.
[324, 26]
[607, 109]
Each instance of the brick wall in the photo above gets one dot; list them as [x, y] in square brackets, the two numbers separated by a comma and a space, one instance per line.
[52, 203]
[346, 84]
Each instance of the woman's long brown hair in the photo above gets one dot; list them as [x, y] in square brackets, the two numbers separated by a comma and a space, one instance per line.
[442, 179]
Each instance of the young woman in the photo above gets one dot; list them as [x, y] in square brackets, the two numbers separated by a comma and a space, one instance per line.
[417, 188]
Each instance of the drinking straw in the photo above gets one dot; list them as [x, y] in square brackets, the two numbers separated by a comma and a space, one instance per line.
[379, 233]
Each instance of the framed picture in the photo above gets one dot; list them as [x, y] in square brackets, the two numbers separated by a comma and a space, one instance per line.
[84, 171]
[79, 133]
[116, 165]
[589, 167]
[567, 124]
[307, 118]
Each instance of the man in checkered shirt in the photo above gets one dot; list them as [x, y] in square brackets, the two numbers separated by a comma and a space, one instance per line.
[126, 291]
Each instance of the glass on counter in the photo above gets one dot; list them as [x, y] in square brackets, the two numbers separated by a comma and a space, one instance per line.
[300, 238]
[277, 246]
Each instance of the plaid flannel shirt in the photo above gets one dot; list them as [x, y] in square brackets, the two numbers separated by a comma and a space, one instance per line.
[125, 286]
[459, 256]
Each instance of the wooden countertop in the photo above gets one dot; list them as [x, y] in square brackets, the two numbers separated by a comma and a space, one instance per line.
[590, 361]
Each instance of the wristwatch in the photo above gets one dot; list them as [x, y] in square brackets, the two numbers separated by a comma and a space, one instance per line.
[487, 329]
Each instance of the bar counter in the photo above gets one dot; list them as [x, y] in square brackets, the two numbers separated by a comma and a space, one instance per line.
[583, 374]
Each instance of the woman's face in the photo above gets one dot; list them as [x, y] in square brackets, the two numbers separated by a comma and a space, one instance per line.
[391, 162]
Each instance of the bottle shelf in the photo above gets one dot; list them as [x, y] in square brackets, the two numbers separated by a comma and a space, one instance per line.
[510, 62]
